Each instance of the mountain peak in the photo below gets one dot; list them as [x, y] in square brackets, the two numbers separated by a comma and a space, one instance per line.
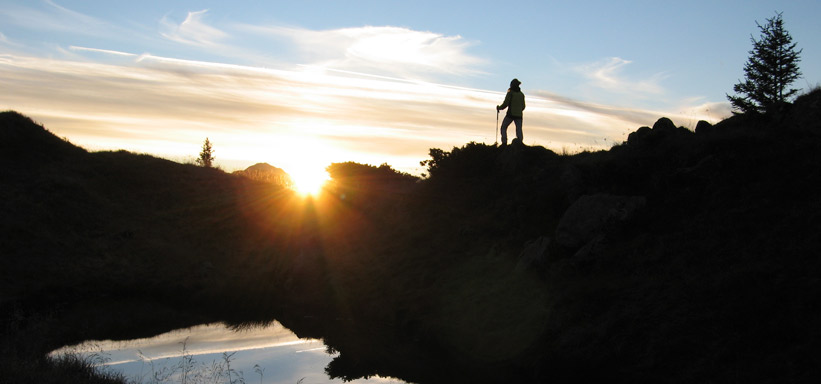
[266, 173]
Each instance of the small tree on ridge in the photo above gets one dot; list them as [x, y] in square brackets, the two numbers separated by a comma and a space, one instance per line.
[771, 68]
[207, 157]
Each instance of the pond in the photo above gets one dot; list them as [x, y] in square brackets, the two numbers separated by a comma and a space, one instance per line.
[210, 353]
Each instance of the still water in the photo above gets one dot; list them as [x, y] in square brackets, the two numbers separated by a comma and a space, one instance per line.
[214, 353]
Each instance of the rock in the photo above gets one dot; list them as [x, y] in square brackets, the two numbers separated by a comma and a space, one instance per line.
[590, 215]
[571, 182]
[638, 136]
[683, 131]
[589, 251]
[534, 254]
[662, 129]
[664, 125]
[806, 112]
[703, 127]
[512, 156]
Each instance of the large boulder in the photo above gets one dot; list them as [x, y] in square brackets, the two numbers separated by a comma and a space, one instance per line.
[662, 129]
[591, 215]
[571, 181]
[703, 127]
[665, 125]
[639, 136]
[534, 254]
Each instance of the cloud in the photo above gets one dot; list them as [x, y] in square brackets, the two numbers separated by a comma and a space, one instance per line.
[630, 115]
[608, 75]
[192, 31]
[198, 340]
[387, 50]
[694, 109]
[52, 17]
[105, 51]
[167, 106]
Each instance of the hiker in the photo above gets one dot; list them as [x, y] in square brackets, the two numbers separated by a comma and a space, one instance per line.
[515, 104]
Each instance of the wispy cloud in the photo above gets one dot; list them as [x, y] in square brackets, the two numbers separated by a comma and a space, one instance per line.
[105, 51]
[386, 49]
[166, 106]
[52, 17]
[366, 94]
[193, 30]
[198, 340]
[630, 115]
[609, 75]
[381, 50]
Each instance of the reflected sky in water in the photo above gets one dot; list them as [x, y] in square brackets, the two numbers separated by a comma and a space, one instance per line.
[280, 355]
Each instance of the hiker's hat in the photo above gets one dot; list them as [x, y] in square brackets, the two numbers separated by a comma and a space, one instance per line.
[515, 83]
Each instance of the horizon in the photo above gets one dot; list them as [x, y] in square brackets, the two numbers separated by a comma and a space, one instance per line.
[376, 83]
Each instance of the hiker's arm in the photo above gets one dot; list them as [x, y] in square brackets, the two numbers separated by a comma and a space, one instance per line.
[505, 103]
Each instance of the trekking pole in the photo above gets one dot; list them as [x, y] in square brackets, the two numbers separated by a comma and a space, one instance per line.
[497, 127]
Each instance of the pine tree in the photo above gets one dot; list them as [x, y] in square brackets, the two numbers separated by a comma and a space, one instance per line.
[771, 68]
[206, 158]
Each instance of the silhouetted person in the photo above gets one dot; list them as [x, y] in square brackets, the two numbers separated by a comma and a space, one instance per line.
[515, 104]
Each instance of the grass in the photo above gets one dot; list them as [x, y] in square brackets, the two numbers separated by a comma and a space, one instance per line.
[65, 369]
[92, 365]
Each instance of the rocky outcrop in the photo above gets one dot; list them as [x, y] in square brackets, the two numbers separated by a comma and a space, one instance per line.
[571, 181]
[511, 156]
[703, 127]
[664, 125]
[662, 129]
[591, 215]
[806, 114]
[534, 254]
[639, 136]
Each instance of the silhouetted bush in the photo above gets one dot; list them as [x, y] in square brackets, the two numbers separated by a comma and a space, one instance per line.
[367, 183]
[470, 161]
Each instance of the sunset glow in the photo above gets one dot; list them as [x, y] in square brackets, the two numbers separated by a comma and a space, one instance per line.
[441, 191]
[309, 181]
[385, 87]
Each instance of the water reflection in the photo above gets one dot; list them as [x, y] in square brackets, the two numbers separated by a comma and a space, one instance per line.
[270, 354]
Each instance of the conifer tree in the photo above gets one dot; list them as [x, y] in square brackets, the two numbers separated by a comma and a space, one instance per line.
[207, 157]
[771, 68]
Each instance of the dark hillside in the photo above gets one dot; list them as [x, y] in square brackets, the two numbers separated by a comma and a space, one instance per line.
[23, 139]
[677, 256]
[126, 243]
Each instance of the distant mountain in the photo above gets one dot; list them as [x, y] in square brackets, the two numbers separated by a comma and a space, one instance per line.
[266, 173]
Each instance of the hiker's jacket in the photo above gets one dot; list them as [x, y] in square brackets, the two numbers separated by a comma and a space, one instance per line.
[515, 103]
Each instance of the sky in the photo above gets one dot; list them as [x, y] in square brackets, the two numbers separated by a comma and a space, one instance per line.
[303, 84]
[271, 355]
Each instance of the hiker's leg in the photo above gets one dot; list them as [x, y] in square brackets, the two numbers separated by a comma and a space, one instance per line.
[507, 120]
[519, 133]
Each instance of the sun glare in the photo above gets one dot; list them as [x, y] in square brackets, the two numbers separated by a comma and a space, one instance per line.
[309, 181]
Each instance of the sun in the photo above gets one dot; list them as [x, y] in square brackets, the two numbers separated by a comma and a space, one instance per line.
[309, 181]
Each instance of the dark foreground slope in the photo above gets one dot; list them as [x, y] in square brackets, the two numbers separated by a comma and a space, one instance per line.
[673, 257]
[120, 245]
